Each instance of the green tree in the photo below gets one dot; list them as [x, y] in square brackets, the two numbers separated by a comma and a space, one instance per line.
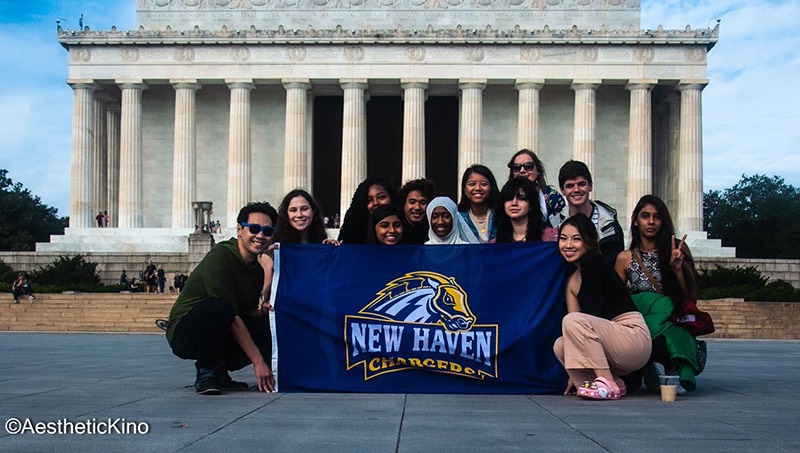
[67, 270]
[760, 216]
[25, 219]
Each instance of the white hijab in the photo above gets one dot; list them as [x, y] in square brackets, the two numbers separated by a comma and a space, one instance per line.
[460, 234]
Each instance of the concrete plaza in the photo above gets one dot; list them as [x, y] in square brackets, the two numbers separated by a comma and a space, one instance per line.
[746, 401]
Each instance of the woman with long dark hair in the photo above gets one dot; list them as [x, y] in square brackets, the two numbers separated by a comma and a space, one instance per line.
[517, 214]
[371, 193]
[655, 266]
[653, 241]
[299, 220]
[526, 164]
[604, 336]
[479, 194]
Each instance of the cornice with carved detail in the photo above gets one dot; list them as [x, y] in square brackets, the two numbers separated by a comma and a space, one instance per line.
[660, 36]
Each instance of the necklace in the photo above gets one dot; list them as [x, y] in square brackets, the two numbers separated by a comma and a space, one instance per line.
[479, 222]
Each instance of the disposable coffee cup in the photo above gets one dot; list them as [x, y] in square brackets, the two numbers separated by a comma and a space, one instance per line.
[669, 387]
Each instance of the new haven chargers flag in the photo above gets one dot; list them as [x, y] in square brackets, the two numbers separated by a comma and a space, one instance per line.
[419, 319]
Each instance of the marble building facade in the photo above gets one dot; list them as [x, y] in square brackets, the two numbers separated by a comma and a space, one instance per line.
[215, 100]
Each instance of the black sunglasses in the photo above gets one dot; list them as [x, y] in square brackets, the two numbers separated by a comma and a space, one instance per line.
[528, 166]
[255, 228]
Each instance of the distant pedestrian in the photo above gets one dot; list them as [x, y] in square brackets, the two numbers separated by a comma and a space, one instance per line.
[123, 278]
[100, 218]
[179, 281]
[162, 278]
[151, 277]
[20, 287]
[106, 219]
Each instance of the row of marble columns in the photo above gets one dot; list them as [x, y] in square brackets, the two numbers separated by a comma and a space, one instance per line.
[107, 143]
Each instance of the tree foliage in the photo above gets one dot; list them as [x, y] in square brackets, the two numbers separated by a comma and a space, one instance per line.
[67, 270]
[25, 219]
[7, 274]
[760, 216]
[745, 282]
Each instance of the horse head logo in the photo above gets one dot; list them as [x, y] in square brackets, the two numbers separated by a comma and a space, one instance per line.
[424, 297]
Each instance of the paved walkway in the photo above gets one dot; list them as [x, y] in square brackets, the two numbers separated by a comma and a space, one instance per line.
[746, 401]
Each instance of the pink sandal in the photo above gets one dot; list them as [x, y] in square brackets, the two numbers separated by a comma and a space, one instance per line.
[622, 389]
[600, 389]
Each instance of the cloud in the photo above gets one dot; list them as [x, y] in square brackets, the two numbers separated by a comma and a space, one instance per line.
[750, 107]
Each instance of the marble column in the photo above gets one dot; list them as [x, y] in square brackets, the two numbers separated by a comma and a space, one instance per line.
[690, 158]
[239, 149]
[640, 141]
[470, 137]
[296, 172]
[671, 160]
[528, 114]
[413, 128]
[81, 172]
[131, 160]
[112, 135]
[310, 139]
[184, 165]
[584, 139]
[354, 139]
[100, 151]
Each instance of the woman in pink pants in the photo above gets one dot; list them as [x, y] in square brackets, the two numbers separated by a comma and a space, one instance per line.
[603, 335]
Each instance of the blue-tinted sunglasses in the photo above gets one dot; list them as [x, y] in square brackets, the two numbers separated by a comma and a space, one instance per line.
[255, 228]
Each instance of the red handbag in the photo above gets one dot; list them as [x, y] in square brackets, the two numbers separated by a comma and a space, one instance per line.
[697, 322]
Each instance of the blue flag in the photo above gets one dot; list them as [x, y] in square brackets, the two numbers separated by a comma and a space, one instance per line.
[476, 318]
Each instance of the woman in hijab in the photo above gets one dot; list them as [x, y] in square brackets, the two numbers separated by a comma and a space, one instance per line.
[446, 225]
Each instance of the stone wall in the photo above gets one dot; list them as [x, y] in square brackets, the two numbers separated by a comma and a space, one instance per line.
[109, 265]
[734, 318]
[387, 14]
[775, 269]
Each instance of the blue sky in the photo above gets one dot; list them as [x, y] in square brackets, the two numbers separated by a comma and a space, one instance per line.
[751, 108]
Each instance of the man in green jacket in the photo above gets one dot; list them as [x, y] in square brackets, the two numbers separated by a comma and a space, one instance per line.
[216, 319]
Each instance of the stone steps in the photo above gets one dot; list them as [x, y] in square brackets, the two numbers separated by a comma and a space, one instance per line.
[134, 313]
[118, 240]
[702, 246]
